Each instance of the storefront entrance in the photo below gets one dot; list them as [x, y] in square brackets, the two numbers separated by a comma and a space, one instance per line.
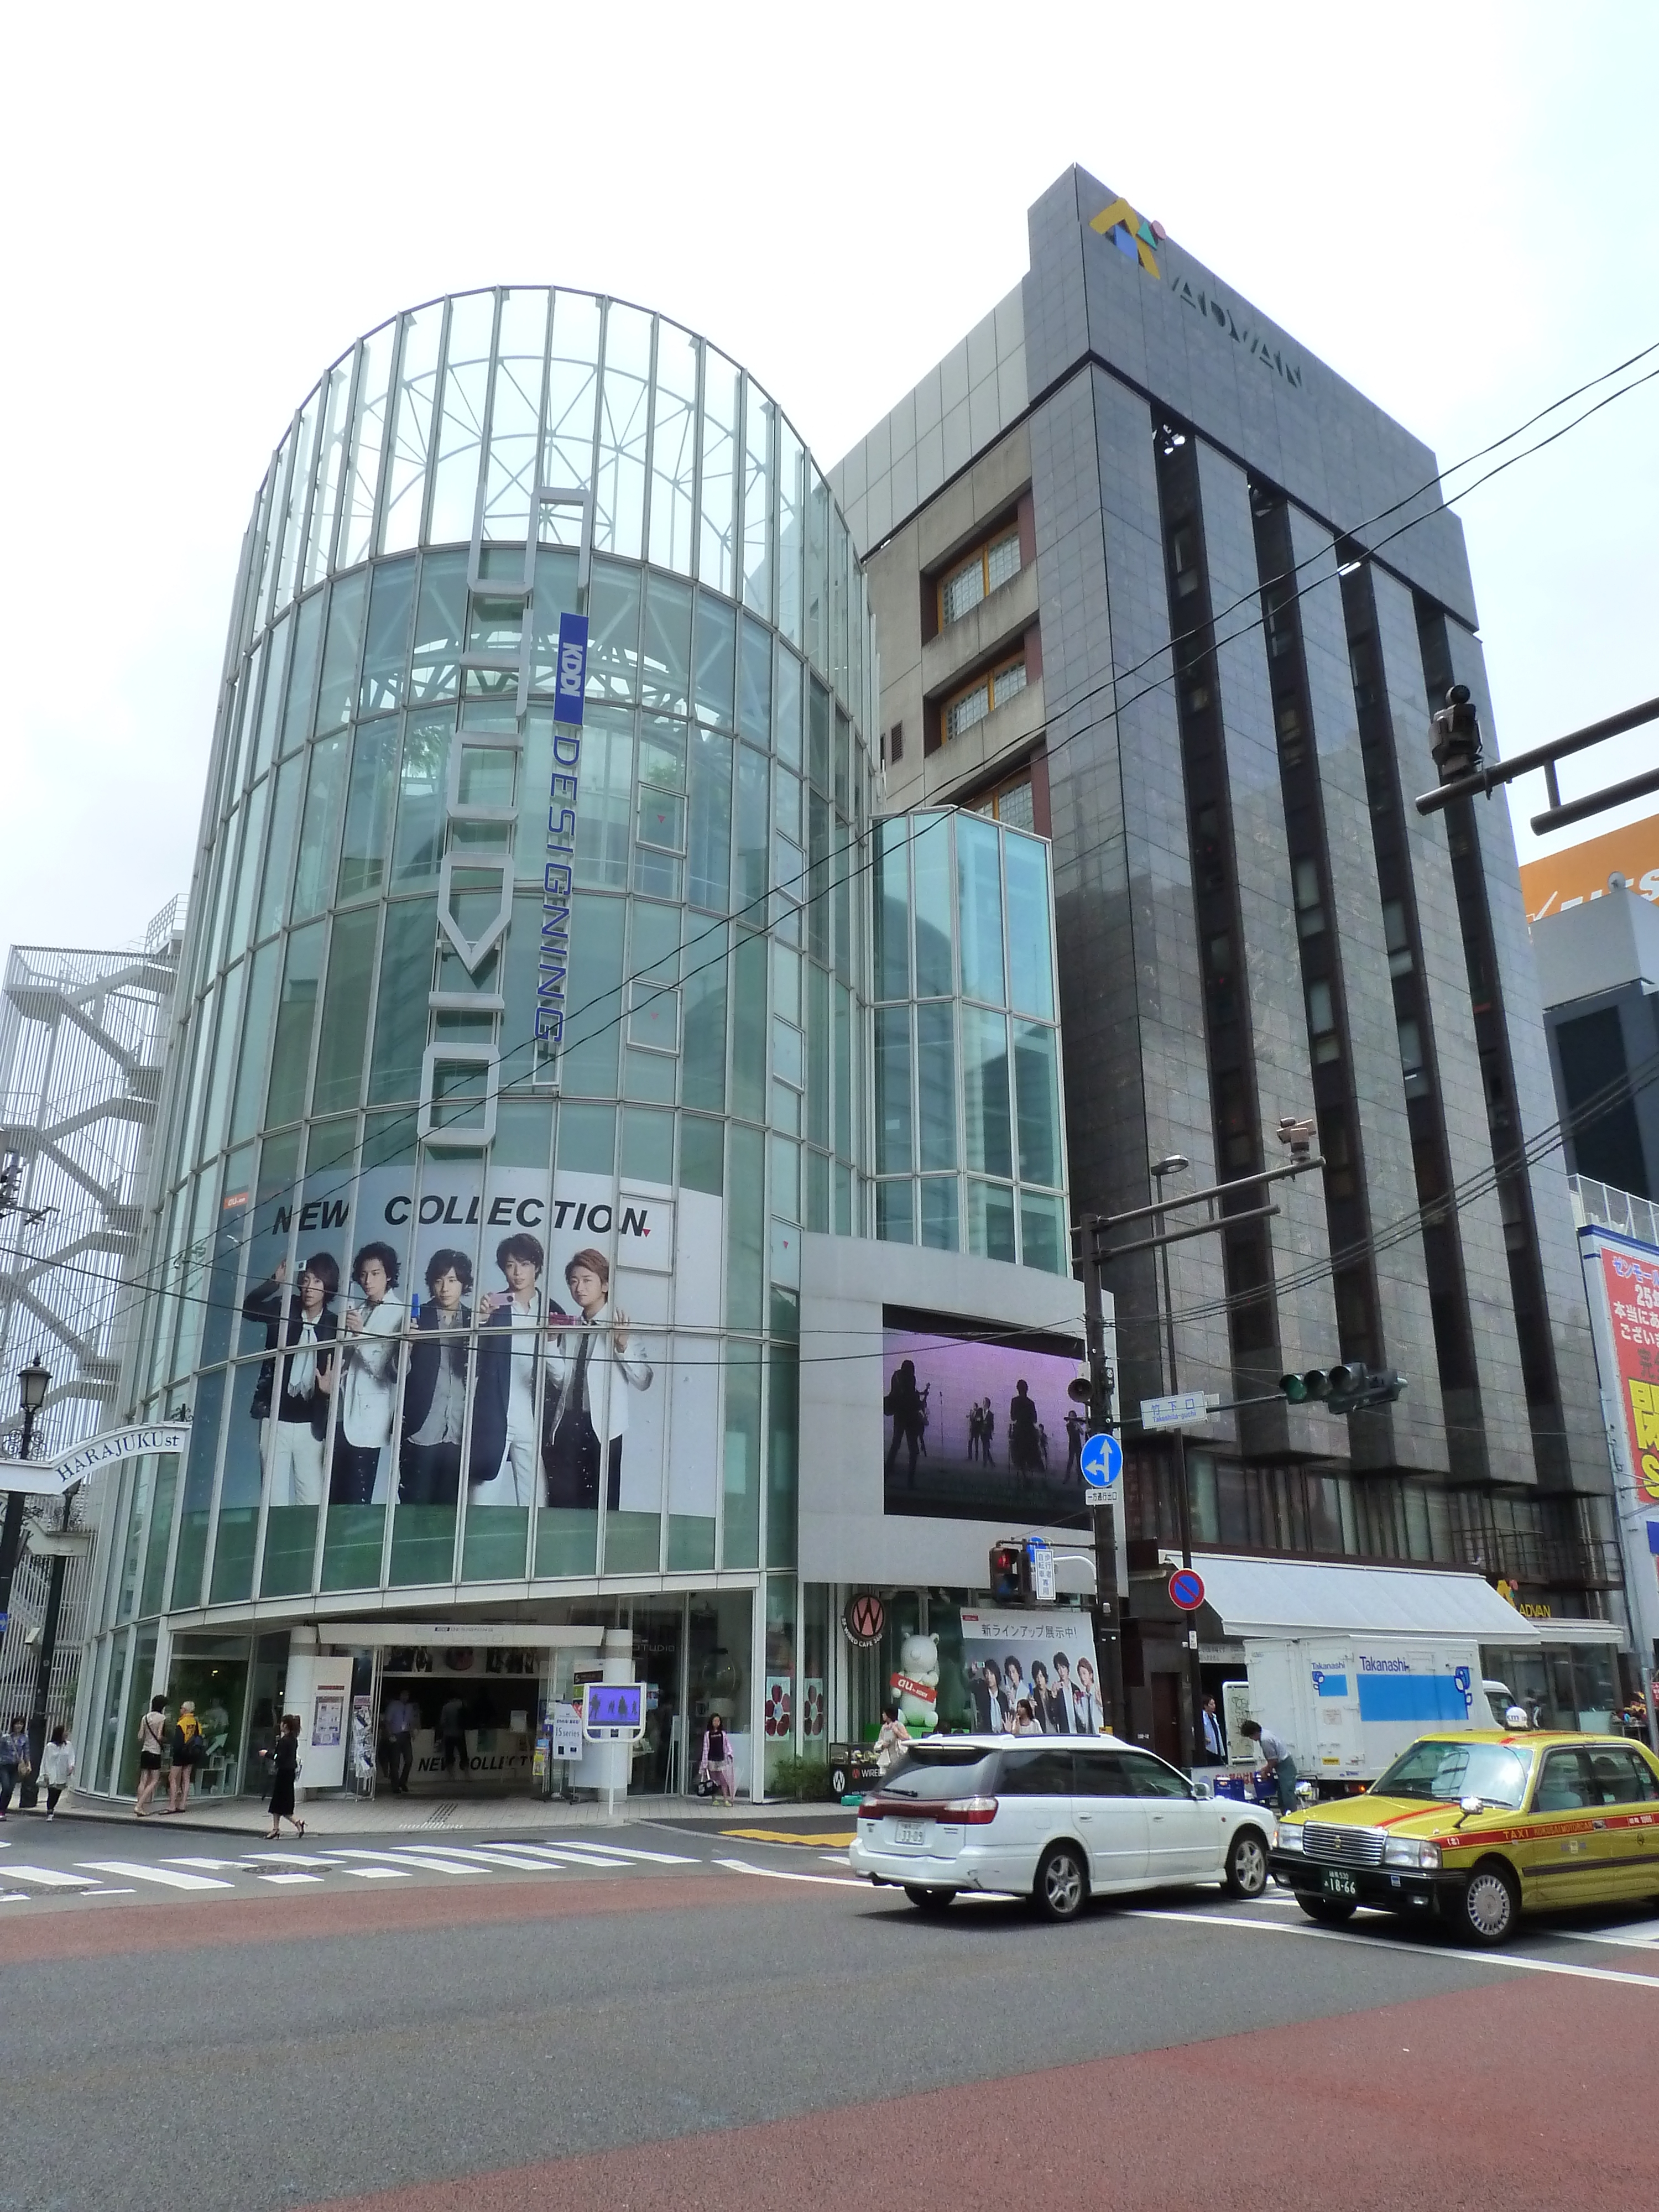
[471, 1715]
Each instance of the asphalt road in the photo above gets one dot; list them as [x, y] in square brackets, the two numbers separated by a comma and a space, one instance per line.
[737, 2022]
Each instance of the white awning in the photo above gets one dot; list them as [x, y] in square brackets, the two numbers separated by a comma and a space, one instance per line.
[1294, 1597]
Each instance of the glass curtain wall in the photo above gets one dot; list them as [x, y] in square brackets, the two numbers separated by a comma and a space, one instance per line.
[969, 1145]
[515, 1057]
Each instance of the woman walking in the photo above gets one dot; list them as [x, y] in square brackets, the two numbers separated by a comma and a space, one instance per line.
[284, 1771]
[15, 1763]
[718, 1761]
[56, 1768]
[186, 1750]
[152, 1734]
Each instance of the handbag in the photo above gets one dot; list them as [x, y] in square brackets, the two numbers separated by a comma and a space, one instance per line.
[26, 1768]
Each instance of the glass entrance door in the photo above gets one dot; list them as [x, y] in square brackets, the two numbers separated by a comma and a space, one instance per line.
[658, 1764]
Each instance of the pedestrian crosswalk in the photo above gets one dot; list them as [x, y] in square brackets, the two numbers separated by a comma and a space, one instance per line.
[202, 1874]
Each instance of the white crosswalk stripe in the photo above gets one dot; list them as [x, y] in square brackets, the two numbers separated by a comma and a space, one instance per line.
[487, 1857]
[398, 1857]
[380, 1873]
[289, 1877]
[595, 1850]
[47, 1877]
[547, 1854]
[289, 1859]
[204, 1866]
[168, 1877]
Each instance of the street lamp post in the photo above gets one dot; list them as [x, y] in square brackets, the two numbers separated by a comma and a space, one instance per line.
[32, 1383]
[1176, 1163]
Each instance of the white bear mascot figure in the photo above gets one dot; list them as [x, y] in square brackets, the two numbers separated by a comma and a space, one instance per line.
[916, 1685]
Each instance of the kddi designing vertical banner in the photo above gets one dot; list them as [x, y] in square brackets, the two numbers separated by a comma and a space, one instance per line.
[1633, 1289]
[463, 1329]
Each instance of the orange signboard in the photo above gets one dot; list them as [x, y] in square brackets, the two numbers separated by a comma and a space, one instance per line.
[1579, 872]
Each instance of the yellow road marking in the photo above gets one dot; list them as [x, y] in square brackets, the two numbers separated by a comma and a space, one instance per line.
[842, 1836]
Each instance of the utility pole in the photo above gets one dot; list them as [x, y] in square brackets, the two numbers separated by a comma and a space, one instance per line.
[1296, 1134]
[1111, 1599]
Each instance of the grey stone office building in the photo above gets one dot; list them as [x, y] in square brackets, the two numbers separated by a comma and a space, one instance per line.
[1149, 577]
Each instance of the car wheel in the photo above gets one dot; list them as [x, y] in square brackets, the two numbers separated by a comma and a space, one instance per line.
[1490, 1905]
[1247, 1864]
[1061, 1883]
[1329, 1911]
[929, 1900]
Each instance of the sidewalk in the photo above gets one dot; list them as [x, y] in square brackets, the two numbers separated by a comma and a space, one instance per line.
[363, 1816]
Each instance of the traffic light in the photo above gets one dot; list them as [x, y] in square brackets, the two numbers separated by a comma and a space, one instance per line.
[1456, 742]
[1006, 1560]
[1023, 1572]
[1347, 1390]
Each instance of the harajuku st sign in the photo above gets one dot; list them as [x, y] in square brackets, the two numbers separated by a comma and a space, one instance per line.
[50, 1477]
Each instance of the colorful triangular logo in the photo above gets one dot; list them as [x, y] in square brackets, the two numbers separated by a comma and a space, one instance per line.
[1131, 234]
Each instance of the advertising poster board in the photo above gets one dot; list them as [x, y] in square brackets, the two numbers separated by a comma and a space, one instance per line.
[1046, 1657]
[977, 1425]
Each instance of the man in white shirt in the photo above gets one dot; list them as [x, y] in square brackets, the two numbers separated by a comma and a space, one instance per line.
[1215, 1736]
[368, 1386]
[505, 1449]
[1277, 1767]
[597, 1364]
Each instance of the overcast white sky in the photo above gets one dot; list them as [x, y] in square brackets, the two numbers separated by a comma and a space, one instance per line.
[1455, 205]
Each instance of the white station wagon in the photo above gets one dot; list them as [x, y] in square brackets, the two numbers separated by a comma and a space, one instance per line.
[1052, 1820]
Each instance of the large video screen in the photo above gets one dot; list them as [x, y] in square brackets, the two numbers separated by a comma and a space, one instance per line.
[976, 1421]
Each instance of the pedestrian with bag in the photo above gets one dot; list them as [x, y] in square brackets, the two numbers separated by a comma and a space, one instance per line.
[187, 1751]
[718, 1763]
[284, 1772]
[57, 1767]
[152, 1735]
[15, 1764]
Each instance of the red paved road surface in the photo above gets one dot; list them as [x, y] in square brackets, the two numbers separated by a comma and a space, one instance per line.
[1513, 2097]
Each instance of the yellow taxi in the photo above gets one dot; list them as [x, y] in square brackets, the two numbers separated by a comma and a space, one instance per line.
[1477, 1828]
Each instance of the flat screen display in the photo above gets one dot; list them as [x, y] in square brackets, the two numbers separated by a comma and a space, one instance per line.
[975, 1422]
[615, 1704]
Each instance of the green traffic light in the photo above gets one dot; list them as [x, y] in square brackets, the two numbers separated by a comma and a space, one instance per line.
[1294, 1387]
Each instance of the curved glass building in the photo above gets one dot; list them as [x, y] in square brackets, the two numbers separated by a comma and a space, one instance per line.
[525, 1039]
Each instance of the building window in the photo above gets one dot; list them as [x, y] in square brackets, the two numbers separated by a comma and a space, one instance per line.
[896, 742]
[983, 697]
[1010, 802]
[975, 579]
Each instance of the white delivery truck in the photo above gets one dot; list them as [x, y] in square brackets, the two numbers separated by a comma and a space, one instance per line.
[1349, 1705]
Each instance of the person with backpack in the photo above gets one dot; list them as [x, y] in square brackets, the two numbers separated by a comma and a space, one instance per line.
[189, 1749]
[284, 1772]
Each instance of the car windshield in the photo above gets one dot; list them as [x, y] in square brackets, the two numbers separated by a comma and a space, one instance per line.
[1452, 1771]
[936, 1771]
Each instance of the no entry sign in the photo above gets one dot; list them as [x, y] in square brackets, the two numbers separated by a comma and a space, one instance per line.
[1186, 1589]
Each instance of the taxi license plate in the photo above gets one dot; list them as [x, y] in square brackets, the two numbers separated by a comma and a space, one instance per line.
[909, 1831]
[1340, 1885]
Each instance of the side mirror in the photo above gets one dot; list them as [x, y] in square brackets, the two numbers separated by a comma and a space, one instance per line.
[1201, 1790]
[1472, 1804]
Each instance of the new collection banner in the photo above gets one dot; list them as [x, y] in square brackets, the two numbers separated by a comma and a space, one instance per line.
[465, 1326]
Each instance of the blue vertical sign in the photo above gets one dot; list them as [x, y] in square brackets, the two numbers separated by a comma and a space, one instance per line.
[572, 674]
